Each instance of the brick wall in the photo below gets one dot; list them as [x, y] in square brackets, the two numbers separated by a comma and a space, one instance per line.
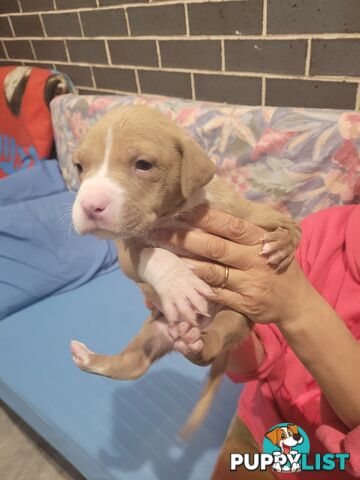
[268, 52]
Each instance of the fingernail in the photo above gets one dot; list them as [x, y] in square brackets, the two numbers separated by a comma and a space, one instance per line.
[266, 248]
[212, 294]
[185, 216]
[162, 234]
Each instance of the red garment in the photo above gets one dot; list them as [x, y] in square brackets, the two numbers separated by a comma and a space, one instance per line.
[282, 390]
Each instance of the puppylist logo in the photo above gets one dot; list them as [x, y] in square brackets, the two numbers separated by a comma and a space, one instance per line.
[286, 449]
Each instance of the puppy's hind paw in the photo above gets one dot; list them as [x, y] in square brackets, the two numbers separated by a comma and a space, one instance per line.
[80, 354]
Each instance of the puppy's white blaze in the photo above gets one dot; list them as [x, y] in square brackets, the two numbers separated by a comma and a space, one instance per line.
[108, 146]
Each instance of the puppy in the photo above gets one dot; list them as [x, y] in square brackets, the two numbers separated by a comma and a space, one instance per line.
[138, 172]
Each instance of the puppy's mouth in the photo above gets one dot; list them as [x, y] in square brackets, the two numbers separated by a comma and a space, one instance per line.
[128, 228]
[105, 234]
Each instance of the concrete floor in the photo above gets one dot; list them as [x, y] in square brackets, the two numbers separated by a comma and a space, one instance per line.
[26, 456]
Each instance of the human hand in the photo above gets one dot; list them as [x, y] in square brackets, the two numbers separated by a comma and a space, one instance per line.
[252, 287]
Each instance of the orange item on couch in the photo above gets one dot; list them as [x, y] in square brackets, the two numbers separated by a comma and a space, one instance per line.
[26, 135]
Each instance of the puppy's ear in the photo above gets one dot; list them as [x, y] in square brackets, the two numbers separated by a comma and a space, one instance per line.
[197, 169]
[273, 436]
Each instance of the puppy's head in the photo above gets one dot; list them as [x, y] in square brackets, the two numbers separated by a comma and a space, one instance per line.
[135, 167]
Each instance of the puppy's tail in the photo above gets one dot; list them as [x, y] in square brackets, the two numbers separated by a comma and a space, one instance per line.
[203, 405]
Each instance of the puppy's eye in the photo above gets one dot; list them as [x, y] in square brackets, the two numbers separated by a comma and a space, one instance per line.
[143, 165]
[283, 435]
[79, 168]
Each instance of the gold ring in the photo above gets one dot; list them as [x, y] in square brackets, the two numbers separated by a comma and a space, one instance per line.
[226, 277]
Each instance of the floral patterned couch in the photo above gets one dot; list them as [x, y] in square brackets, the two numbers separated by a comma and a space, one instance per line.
[298, 160]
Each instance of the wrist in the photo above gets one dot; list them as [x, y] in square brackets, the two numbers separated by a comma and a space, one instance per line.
[304, 302]
[307, 306]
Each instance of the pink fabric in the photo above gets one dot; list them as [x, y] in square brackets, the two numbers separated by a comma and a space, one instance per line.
[282, 390]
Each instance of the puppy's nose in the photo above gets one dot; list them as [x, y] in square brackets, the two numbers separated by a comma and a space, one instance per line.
[297, 436]
[94, 207]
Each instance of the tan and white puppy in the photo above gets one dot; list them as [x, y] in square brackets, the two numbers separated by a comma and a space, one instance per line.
[138, 171]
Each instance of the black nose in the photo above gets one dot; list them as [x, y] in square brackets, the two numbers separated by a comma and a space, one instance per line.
[297, 436]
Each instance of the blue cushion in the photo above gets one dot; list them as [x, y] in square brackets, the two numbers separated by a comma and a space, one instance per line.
[107, 429]
[39, 254]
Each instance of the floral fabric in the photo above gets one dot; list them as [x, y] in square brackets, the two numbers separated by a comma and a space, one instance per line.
[297, 160]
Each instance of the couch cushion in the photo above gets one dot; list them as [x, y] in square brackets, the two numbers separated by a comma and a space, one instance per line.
[299, 160]
[109, 430]
[26, 135]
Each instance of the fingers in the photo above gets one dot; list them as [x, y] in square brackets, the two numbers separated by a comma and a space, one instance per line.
[214, 274]
[209, 246]
[230, 299]
[224, 225]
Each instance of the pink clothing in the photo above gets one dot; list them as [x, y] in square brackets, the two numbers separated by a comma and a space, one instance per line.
[281, 389]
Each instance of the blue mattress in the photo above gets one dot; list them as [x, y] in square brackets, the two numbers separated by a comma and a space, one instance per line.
[107, 429]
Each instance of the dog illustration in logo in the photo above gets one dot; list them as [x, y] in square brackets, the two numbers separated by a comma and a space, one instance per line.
[286, 438]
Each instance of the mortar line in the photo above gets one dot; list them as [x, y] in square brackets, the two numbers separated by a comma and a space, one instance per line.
[107, 90]
[357, 101]
[11, 28]
[192, 80]
[108, 55]
[308, 57]
[67, 51]
[127, 22]
[158, 52]
[222, 43]
[280, 76]
[137, 81]
[43, 26]
[265, 17]
[111, 7]
[33, 49]
[187, 24]
[319, 36]
[81, 25]
[5, 50]
[92, 77]
[263, 91]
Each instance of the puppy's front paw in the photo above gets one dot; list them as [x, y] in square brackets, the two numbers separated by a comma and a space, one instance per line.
[181, 293]
[279, 248]
[184, 305]
[80, 354]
